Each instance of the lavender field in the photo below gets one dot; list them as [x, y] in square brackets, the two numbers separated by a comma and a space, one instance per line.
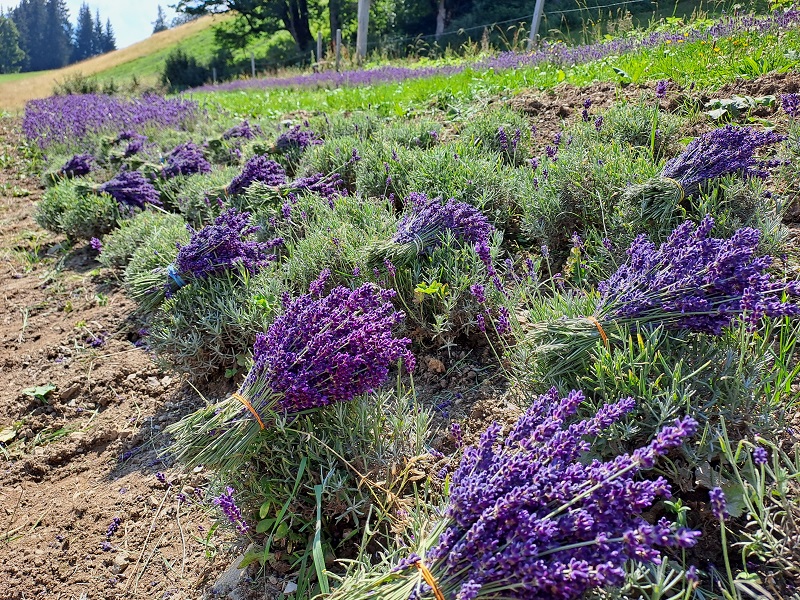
[521, 327]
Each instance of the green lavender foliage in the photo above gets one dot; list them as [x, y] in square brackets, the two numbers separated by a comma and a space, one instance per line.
[158, 250]
[334, 156]
[332, 237]
[434, 291]
[209, 326]
[482, 131]
[640, 125]
[121, 245]
[198, 197]
[69, 208]
[414, 134]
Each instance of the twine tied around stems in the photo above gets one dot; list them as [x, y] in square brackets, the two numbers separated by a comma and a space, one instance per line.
[429, 579]
[599, 328]
[678, 185]
[172, 273]
[249, 407]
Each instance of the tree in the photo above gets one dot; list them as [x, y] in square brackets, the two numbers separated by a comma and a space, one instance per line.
[255, 17]
[160, 24]
[84, 35]
[57, 32]
[109, 39]
[97, 35]
[12, 57]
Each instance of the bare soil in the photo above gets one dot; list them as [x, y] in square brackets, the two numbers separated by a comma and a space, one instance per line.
[87, 452]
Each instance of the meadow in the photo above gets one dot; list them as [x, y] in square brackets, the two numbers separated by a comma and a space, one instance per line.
[523, 325]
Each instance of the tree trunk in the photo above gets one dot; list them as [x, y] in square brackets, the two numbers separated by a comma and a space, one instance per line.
[334, 10]
[441, 15]
[295, 18]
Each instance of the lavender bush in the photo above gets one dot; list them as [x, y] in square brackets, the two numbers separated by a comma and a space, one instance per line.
[70, 119]
[324, 349]
[532, 516]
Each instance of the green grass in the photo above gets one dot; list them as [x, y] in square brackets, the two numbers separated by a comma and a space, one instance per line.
[8, 77]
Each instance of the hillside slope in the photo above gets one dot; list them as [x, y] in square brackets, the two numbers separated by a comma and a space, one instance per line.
[143, 59]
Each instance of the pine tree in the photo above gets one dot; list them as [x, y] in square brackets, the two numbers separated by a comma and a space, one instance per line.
[160, 23]
[97, 35]
[57, 34]
[84, 35]
[109, 39]
[12, 57]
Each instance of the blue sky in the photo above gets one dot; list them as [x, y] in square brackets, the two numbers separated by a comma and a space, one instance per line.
[132, 20]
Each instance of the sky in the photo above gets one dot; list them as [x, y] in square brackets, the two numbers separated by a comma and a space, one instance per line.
[132, 20]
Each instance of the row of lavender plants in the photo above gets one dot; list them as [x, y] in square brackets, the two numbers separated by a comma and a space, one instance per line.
[314, 263]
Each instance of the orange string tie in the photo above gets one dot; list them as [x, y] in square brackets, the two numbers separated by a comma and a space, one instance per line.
[599, 328]
[428, 577]
[249, 407]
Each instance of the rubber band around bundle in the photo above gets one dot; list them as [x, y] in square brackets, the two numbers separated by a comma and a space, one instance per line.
[249, 407]
[429, 579]
[599, 328]
[678, 185]
[173, 274]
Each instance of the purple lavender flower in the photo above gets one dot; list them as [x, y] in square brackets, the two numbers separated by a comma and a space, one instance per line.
[478, 292]
[718, 504]
[790, 103]
[113, 527]
[227, 505]
[727, 150]
[502, 138]
[598, 123]
[242, 131]
[692, 578]
[693, 281]
[480, 321]
[661, 88]
[258, 168]
[457, 434]
[328, 349]
[760, 456]
[96, 244]
[131, 189]
[186, 159]
[224, 246]
[77, 166]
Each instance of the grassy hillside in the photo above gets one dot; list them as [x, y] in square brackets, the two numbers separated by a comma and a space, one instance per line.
[144, 59]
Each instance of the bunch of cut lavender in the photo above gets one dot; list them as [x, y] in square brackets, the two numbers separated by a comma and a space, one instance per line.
[324, 349]
[77, 166]
[226, 245]
[691, 282]
[242, 131]
[423, 227]
[327, 186]
[533, 517]
[261, 169]
[131, 189]
[729, 150]
[296, 139]
[185, 159]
